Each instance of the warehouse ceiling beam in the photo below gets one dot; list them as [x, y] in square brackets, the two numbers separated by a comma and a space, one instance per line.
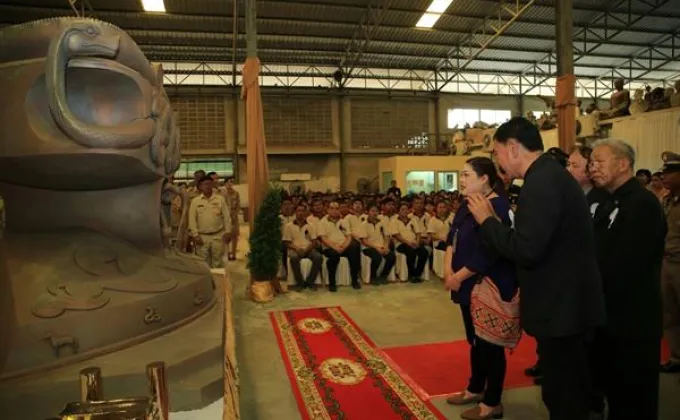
[178, 23]
[217, 53]
[370, 21]
[292, 76]
[354, 6]
[588, 39]
[21, 13]
[25, 13]
[477, 41]
[650, 58]
[302, 75]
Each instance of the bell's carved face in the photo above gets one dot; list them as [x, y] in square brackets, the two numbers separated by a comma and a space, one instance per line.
[92, 39]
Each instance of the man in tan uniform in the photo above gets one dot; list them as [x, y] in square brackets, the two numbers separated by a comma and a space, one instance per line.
[184, 242]
[233, 199]
[209, 223]
[670, 271]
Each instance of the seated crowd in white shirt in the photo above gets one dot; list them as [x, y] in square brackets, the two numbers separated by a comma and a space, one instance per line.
[335, 228]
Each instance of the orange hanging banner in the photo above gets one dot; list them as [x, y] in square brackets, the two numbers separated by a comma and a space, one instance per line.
[256, 150]
[565, 101]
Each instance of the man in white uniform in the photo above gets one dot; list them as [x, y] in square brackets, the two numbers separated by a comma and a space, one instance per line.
[374, 235]
[299, 236]
[407, 231]
[338, 242]
[439, 226]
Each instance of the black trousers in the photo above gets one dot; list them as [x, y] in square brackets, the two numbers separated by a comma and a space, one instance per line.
[627, 372]
[353, 255]
[567, 389]
[487, 362]
[377, 258]
[416, 259]
[295, 260]
[284, 257]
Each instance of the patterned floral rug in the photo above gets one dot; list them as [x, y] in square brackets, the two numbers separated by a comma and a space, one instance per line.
[336, 371]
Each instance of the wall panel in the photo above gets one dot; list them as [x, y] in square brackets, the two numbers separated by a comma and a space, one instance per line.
[202, 121]
[298, 121]
[387, 122]
[361, 167]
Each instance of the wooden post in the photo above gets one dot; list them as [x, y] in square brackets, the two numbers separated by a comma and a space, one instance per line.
[251, 28]
[565, 90]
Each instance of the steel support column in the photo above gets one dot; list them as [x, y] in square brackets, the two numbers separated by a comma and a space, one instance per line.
[343, 158]
[435, 148]
[251, 28]
[566, 98]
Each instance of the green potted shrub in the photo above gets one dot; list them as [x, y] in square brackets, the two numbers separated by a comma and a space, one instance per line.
[264, 257]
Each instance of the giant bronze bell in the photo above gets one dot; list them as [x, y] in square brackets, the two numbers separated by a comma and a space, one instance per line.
[87, 136]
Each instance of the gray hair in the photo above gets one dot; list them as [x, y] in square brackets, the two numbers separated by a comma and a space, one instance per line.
[620, 148]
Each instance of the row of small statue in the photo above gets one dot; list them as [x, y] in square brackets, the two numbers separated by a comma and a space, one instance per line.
[621, 105]
[655, 99]
[548, 120]
[644, 100]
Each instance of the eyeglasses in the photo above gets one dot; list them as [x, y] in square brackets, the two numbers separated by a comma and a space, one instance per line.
[592, 163]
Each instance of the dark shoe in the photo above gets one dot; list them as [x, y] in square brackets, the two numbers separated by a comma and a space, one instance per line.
[383, 280]
[232, 257]
[333, 288]
[298, 288]
[596, 416]
[533, 371]
[412, 280]
[475, 413]
[375, 281]
[670, 367]
[460, 399]
[356, 285]
[311, 286]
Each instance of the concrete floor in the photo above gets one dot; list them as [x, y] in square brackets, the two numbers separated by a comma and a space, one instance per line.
[394, 315]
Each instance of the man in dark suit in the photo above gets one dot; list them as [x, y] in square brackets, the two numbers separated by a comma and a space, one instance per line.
[630, 230]
[553, 247]
[577, 166]
[670, 271]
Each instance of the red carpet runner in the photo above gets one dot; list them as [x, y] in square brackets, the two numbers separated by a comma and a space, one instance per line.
[444, 368]
[336, 372]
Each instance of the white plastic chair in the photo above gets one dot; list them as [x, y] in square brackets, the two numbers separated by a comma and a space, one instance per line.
[366, 269]
[402, 268]
[438, 262]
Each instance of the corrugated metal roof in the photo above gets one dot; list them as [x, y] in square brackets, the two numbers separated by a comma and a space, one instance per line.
[496, 66]
[319, 31]
[505, 55]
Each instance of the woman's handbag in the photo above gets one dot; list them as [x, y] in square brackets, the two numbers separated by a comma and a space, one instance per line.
[494, 319]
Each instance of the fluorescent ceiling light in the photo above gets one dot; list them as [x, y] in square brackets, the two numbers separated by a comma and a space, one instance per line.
[439, 6]
[153, 5]
[428, 20]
